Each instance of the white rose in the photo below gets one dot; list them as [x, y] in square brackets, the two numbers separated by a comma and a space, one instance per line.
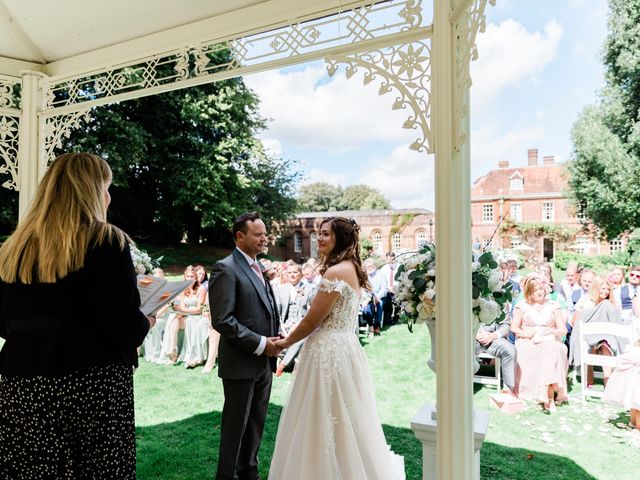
[430, 293]
[430, 284]
[488, 311]
[475, 266]
[431, 272]
[140, 269]
[495, 282]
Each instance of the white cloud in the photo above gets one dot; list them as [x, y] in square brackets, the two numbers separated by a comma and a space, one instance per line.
[272, 146]
[509, 54]
[316, 175]
[309, 110]
[405, 178]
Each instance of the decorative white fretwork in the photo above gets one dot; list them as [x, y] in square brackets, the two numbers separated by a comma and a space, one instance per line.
[404, 69]
[9, 150]
[467, 22]
[9, 93]
[58, 127]
[304, 39]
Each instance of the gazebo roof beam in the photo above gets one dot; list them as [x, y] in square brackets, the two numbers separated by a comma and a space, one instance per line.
[9, 24]
[264, 16]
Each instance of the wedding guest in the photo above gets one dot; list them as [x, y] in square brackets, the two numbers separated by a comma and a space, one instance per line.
[197, 325]
[379, 288]
[153, 341]
[213, 336]
[390, 313]
[624, 295]
[616, 277]
[514, 277]
[597, 306]
[623, 387]
[493, 339]
[268, 268]
[570, 281]
[69, 311]
[541, 357]
[201, 276]
[311, 278]
[586, 277]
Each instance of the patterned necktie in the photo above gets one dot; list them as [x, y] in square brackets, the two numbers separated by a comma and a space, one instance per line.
[256, 268]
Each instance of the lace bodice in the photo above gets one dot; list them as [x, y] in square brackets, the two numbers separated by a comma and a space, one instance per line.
[344, 314]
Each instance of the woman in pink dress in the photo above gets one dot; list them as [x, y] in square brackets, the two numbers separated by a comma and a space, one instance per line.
[541, 360]
[623, 387]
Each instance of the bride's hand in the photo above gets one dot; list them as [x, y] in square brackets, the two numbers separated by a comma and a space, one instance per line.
[282, 343]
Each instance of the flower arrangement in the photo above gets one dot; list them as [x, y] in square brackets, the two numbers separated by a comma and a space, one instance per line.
[142, 261]
[416, 293]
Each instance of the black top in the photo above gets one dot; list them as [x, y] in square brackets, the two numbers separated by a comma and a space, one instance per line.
[91, 317]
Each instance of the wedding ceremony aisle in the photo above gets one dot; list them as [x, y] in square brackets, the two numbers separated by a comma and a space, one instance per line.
[178, 422]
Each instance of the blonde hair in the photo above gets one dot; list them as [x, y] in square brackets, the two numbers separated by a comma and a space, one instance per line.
[596, 285]
[531, 285]
[66, 215]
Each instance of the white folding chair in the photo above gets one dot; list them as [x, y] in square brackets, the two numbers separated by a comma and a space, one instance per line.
[496, 379]
[593, 359]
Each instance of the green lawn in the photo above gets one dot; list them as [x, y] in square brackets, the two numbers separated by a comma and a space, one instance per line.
[178, 417]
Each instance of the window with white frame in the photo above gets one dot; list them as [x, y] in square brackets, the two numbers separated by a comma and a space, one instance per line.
[376, 240]
[516, 212]
[487, 213]
[313, 245]
[486, 242]
[547, 212]
[581, 212]
[396, 241]
[615, 245]
[515, 241]
[297, 242]
[582, 243]
[516, 183]
[421, 237]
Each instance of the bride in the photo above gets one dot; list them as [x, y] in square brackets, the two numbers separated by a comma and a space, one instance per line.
[330, 428]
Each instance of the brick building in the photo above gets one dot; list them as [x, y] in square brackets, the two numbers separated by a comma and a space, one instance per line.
[534, 209]
[386, 230]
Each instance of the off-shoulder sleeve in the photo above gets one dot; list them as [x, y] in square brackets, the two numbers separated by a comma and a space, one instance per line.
[330, 286]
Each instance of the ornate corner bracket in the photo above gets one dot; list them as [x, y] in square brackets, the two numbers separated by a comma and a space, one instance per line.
[9, 126]
[405, 69]
[467, 20]
[58, 127]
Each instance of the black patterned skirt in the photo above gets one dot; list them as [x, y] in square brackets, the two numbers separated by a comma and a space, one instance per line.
[80, 426]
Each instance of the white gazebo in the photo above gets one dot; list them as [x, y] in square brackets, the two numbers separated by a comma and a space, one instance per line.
[58, 60]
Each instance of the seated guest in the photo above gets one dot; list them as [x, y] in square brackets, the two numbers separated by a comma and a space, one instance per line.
[197, 330]
[597, 306]
[292, 297]
[268, 268]
[311, 277]
[616, 277]
[624, 295]
[570, 281]
[623, 387]
[153, 341]
[213, 336]
[390, 312]
[493, 339]
[586, 277]
[514, 276]
[541, 357]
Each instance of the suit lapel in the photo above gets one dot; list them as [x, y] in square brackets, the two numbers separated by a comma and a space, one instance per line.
[257, 284]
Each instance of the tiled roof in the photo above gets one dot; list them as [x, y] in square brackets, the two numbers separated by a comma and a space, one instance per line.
[536, 179]
[365, 213]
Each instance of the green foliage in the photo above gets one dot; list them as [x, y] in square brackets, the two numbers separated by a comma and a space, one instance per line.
[366, 247]
[319, 197]
[187, 162]
[599, 263]
[324, 197]
[560, 233]
[399, 222]
[605, 163]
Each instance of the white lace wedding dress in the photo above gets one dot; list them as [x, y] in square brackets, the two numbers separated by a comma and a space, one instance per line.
[329, 429]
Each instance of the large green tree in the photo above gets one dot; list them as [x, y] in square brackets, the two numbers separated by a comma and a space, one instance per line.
[324, 197]
[605, 164]
[187, 162]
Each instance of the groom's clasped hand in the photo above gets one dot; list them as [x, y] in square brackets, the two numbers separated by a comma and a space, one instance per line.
[273, 348]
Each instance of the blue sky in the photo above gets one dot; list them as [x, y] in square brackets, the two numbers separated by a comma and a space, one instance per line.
[539, 65]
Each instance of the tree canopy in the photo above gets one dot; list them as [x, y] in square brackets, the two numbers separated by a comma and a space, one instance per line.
[187, 162]
[324, 197]
[605, 163]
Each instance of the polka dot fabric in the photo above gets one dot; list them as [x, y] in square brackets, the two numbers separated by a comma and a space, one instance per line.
[79, 426]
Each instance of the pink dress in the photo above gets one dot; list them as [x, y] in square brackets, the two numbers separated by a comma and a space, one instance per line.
[542, 360]
[623, 387]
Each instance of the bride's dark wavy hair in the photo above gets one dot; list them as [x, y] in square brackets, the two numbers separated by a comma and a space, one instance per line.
[347, 247]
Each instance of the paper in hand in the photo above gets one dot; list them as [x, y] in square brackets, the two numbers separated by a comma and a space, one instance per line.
[156, 292]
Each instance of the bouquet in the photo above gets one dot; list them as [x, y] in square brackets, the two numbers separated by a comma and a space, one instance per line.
[416, 292]
[142, 262]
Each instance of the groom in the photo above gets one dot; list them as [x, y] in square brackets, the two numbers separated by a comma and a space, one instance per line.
[243, 311]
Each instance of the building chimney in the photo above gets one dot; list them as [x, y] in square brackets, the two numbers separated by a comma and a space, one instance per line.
[550, 160]
[503, 164]
[532, 155]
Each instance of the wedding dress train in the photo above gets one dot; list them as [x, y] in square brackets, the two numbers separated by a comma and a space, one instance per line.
[330, 428]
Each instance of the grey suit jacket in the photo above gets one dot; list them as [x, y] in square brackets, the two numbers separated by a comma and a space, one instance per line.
[292, 311]
[241, 312]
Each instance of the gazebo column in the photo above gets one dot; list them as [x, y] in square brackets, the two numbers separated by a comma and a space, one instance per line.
[31, 143]
[454, 354]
